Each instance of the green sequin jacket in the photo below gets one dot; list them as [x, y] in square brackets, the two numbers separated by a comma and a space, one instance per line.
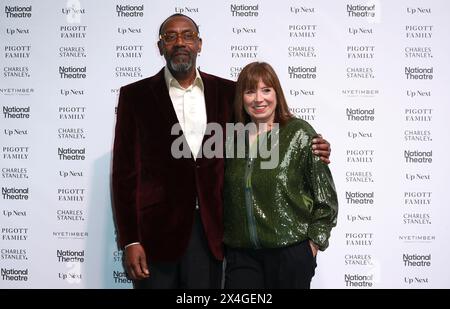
[272, 208]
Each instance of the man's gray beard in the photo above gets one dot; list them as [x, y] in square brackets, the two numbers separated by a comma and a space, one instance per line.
[182, 67]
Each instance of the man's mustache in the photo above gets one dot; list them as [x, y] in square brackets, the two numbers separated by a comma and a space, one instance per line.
[181, 51]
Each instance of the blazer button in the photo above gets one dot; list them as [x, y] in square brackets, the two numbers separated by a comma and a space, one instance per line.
[197, 165]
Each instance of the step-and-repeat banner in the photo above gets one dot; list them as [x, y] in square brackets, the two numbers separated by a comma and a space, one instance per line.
[371, 76]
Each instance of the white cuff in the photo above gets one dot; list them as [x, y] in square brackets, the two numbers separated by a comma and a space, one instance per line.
[133, 243]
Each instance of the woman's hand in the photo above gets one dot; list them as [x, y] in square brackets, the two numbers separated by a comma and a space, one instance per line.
[314, 248]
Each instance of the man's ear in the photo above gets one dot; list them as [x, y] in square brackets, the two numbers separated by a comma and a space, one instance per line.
[160, 47]
[200, 45]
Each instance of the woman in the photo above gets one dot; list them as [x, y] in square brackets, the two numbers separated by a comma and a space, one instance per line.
[276, 219]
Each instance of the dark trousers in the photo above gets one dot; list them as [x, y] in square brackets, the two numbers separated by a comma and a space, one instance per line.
[197, 269]
[289, 267]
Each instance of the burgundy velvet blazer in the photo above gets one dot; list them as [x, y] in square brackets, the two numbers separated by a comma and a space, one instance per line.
[153, 193]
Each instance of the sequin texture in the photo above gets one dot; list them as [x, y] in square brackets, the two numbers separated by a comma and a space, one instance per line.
[271, 208]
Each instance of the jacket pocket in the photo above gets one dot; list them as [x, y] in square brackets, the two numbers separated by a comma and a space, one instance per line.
[151, 196]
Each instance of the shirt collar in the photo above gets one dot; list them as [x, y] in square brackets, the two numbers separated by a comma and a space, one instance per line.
[172, 82]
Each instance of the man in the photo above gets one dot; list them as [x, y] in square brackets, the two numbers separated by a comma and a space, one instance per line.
[168, 211]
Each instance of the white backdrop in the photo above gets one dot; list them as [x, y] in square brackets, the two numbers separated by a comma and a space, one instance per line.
[369, 75]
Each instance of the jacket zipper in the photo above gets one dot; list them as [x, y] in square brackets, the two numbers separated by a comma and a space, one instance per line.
[249, 203]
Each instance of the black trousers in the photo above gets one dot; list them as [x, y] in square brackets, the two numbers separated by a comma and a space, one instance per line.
[197, 269]
[289, 267]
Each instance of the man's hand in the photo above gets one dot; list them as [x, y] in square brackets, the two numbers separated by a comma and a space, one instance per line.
[321, 148]
[136, 262]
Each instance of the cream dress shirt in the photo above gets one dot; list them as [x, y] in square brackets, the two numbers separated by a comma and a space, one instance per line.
[189, 106]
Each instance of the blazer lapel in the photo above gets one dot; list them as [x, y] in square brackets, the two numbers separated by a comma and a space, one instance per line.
[211, 101]
[163, 102]
[165, 107]
[211, 98]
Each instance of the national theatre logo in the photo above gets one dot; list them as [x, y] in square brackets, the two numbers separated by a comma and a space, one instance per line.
[66, 256]
[301, 72]
[71, 72]
[13, 193]
[70, 154]
[417, 156]
[360, 10]
[418, 73]
[360, 114]
[16, 112]
[14, 274]
[242, 10]
[358, 280]
[18, 11]
[359, 198]
[130, 10]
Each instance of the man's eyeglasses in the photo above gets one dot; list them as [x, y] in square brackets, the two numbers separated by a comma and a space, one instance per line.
[171, 37]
